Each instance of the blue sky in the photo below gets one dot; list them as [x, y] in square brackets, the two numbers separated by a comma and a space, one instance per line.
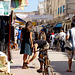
[33, 6]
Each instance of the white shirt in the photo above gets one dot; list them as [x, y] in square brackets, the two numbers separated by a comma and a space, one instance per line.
[61, 36]
[73, 35]
[53, 36]
[16, 31]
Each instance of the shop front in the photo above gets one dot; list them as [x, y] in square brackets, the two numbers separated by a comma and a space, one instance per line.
[57, 27]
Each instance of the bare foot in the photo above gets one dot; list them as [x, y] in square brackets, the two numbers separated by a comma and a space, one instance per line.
[68, 70]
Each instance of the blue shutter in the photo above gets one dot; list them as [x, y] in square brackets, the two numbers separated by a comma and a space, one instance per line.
[58, 10]
[63, 8]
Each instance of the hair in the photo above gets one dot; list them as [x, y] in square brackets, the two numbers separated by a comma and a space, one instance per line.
[28, 26]
[72, 24]
[19, 26]
[61, 29]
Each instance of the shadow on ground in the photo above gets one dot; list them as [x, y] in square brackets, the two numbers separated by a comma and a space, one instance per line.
[60, 67]
[16, 67]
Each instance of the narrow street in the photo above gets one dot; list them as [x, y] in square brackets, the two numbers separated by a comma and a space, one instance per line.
[58, 60]
[16, 67]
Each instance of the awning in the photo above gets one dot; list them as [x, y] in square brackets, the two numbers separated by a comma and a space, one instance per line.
[35, 17]
[20, 19]
[58, 25]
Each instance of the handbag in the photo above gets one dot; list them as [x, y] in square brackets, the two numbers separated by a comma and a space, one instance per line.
[68, 43]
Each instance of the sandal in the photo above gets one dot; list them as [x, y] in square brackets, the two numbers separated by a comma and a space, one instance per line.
[68, 70]
[39, 70]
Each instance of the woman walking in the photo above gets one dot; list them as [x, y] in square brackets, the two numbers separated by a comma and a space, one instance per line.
[26, 43]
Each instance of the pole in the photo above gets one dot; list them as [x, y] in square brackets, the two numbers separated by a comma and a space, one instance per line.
[9, 56]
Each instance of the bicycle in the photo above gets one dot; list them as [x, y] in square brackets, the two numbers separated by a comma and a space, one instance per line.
[47, 68]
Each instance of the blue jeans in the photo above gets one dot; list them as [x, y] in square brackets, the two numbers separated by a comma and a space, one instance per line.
[19, 44]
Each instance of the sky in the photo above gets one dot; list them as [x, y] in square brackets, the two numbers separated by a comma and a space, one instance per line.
[32, 6]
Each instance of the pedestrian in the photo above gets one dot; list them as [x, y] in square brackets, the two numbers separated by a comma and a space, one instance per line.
[62, 37]
[26, 43]
[71, 52]
[52, 38]
[42, 35]
[18, 37]
[15, 37]
[42, 44]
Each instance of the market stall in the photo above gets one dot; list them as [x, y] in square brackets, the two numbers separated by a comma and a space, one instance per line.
[5, 32]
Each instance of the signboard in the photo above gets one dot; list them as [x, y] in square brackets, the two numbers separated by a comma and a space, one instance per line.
[5, 9]
[34, 23]
[35, 17]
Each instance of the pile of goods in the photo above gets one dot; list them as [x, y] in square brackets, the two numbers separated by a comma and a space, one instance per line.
[4, 64]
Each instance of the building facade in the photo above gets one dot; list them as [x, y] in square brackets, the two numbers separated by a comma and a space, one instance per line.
[61, 10]
[41, 8]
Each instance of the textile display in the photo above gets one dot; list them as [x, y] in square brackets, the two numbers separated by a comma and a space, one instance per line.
[19, 4]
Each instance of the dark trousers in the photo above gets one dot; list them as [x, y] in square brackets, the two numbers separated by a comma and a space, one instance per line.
[62, 45]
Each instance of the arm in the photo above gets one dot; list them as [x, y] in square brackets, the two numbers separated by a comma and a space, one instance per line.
[31, 39]
[44, 36]
[67, 37]
[35, 53]
[39, 36]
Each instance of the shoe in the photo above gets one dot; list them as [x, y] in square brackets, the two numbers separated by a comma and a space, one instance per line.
[25, 66]
[39, 70]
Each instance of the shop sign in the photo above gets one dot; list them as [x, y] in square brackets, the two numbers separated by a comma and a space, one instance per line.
[5, 9]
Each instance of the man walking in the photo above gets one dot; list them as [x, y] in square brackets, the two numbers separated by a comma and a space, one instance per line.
[62, 36]
[18, 37]
[71, 52]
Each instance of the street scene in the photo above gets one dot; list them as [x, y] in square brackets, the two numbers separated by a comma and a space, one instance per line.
[37, 37]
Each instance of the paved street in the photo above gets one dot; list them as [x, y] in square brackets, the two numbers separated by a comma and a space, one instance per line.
[58, 60]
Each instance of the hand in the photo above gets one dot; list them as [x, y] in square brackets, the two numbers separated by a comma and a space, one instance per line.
[32, 46]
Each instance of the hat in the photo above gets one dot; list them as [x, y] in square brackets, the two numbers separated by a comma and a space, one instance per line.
[52, 33]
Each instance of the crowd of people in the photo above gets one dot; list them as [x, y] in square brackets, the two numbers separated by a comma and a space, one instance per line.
[29, 44]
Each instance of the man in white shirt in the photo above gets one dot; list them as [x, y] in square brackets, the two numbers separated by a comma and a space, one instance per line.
[62, 36]
[71, 52]
[52, 39]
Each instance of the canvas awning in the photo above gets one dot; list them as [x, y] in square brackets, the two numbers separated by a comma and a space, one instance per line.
[35, 17]
[20, 19]
[58, 25]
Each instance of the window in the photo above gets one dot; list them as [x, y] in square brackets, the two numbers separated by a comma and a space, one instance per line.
[63, 8]
[58, 10]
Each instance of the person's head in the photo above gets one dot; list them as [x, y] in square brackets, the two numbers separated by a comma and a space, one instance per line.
[46, 46]
[42, 31]
[19, 27]
[72, 24]
[28, 25]
[52, 33]
[61, 29]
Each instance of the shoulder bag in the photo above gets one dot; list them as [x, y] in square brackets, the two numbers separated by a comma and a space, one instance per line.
[68, 43]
